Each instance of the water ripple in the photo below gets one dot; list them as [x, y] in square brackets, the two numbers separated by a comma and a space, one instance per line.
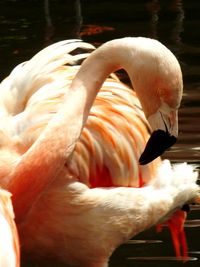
[165, 258]
[144, 241]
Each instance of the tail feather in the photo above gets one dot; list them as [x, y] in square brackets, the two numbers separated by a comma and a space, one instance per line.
[29, 76]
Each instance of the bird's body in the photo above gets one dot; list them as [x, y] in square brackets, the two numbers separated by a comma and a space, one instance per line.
[76, 197]
[9, 244]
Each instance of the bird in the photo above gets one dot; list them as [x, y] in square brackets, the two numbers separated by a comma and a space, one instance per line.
[9, 245]
[80, 150]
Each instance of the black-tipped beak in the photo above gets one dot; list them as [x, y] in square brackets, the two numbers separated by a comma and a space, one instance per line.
[156, 145]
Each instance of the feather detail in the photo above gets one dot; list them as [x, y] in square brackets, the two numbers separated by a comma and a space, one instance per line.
[9, 245]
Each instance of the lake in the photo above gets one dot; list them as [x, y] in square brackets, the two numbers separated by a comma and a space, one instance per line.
[28, 26]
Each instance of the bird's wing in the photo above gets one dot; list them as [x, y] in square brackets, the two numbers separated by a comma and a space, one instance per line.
[116, 130]
[34, 90]
[112, 140]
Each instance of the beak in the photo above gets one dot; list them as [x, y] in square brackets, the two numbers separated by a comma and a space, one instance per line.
[164, 136]
[156, 145]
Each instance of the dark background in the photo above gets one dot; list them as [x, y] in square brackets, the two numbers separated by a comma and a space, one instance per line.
[28, 26]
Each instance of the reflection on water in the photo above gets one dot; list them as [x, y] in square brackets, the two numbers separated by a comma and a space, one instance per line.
[25, 30]
[133, 241]
[161, 259]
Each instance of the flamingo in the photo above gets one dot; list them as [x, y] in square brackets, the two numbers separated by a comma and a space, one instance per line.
[9, 245]
[76, 152]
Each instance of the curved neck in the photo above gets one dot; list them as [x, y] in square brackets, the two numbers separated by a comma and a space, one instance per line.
[111, 56]
[151, 67]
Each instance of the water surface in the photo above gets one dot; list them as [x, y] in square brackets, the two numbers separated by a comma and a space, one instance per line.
[28, 26]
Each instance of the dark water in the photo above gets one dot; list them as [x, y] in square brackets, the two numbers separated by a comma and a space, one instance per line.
[28, 26]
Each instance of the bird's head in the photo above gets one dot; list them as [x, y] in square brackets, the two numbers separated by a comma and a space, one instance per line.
[164, 125]
[158, 84]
